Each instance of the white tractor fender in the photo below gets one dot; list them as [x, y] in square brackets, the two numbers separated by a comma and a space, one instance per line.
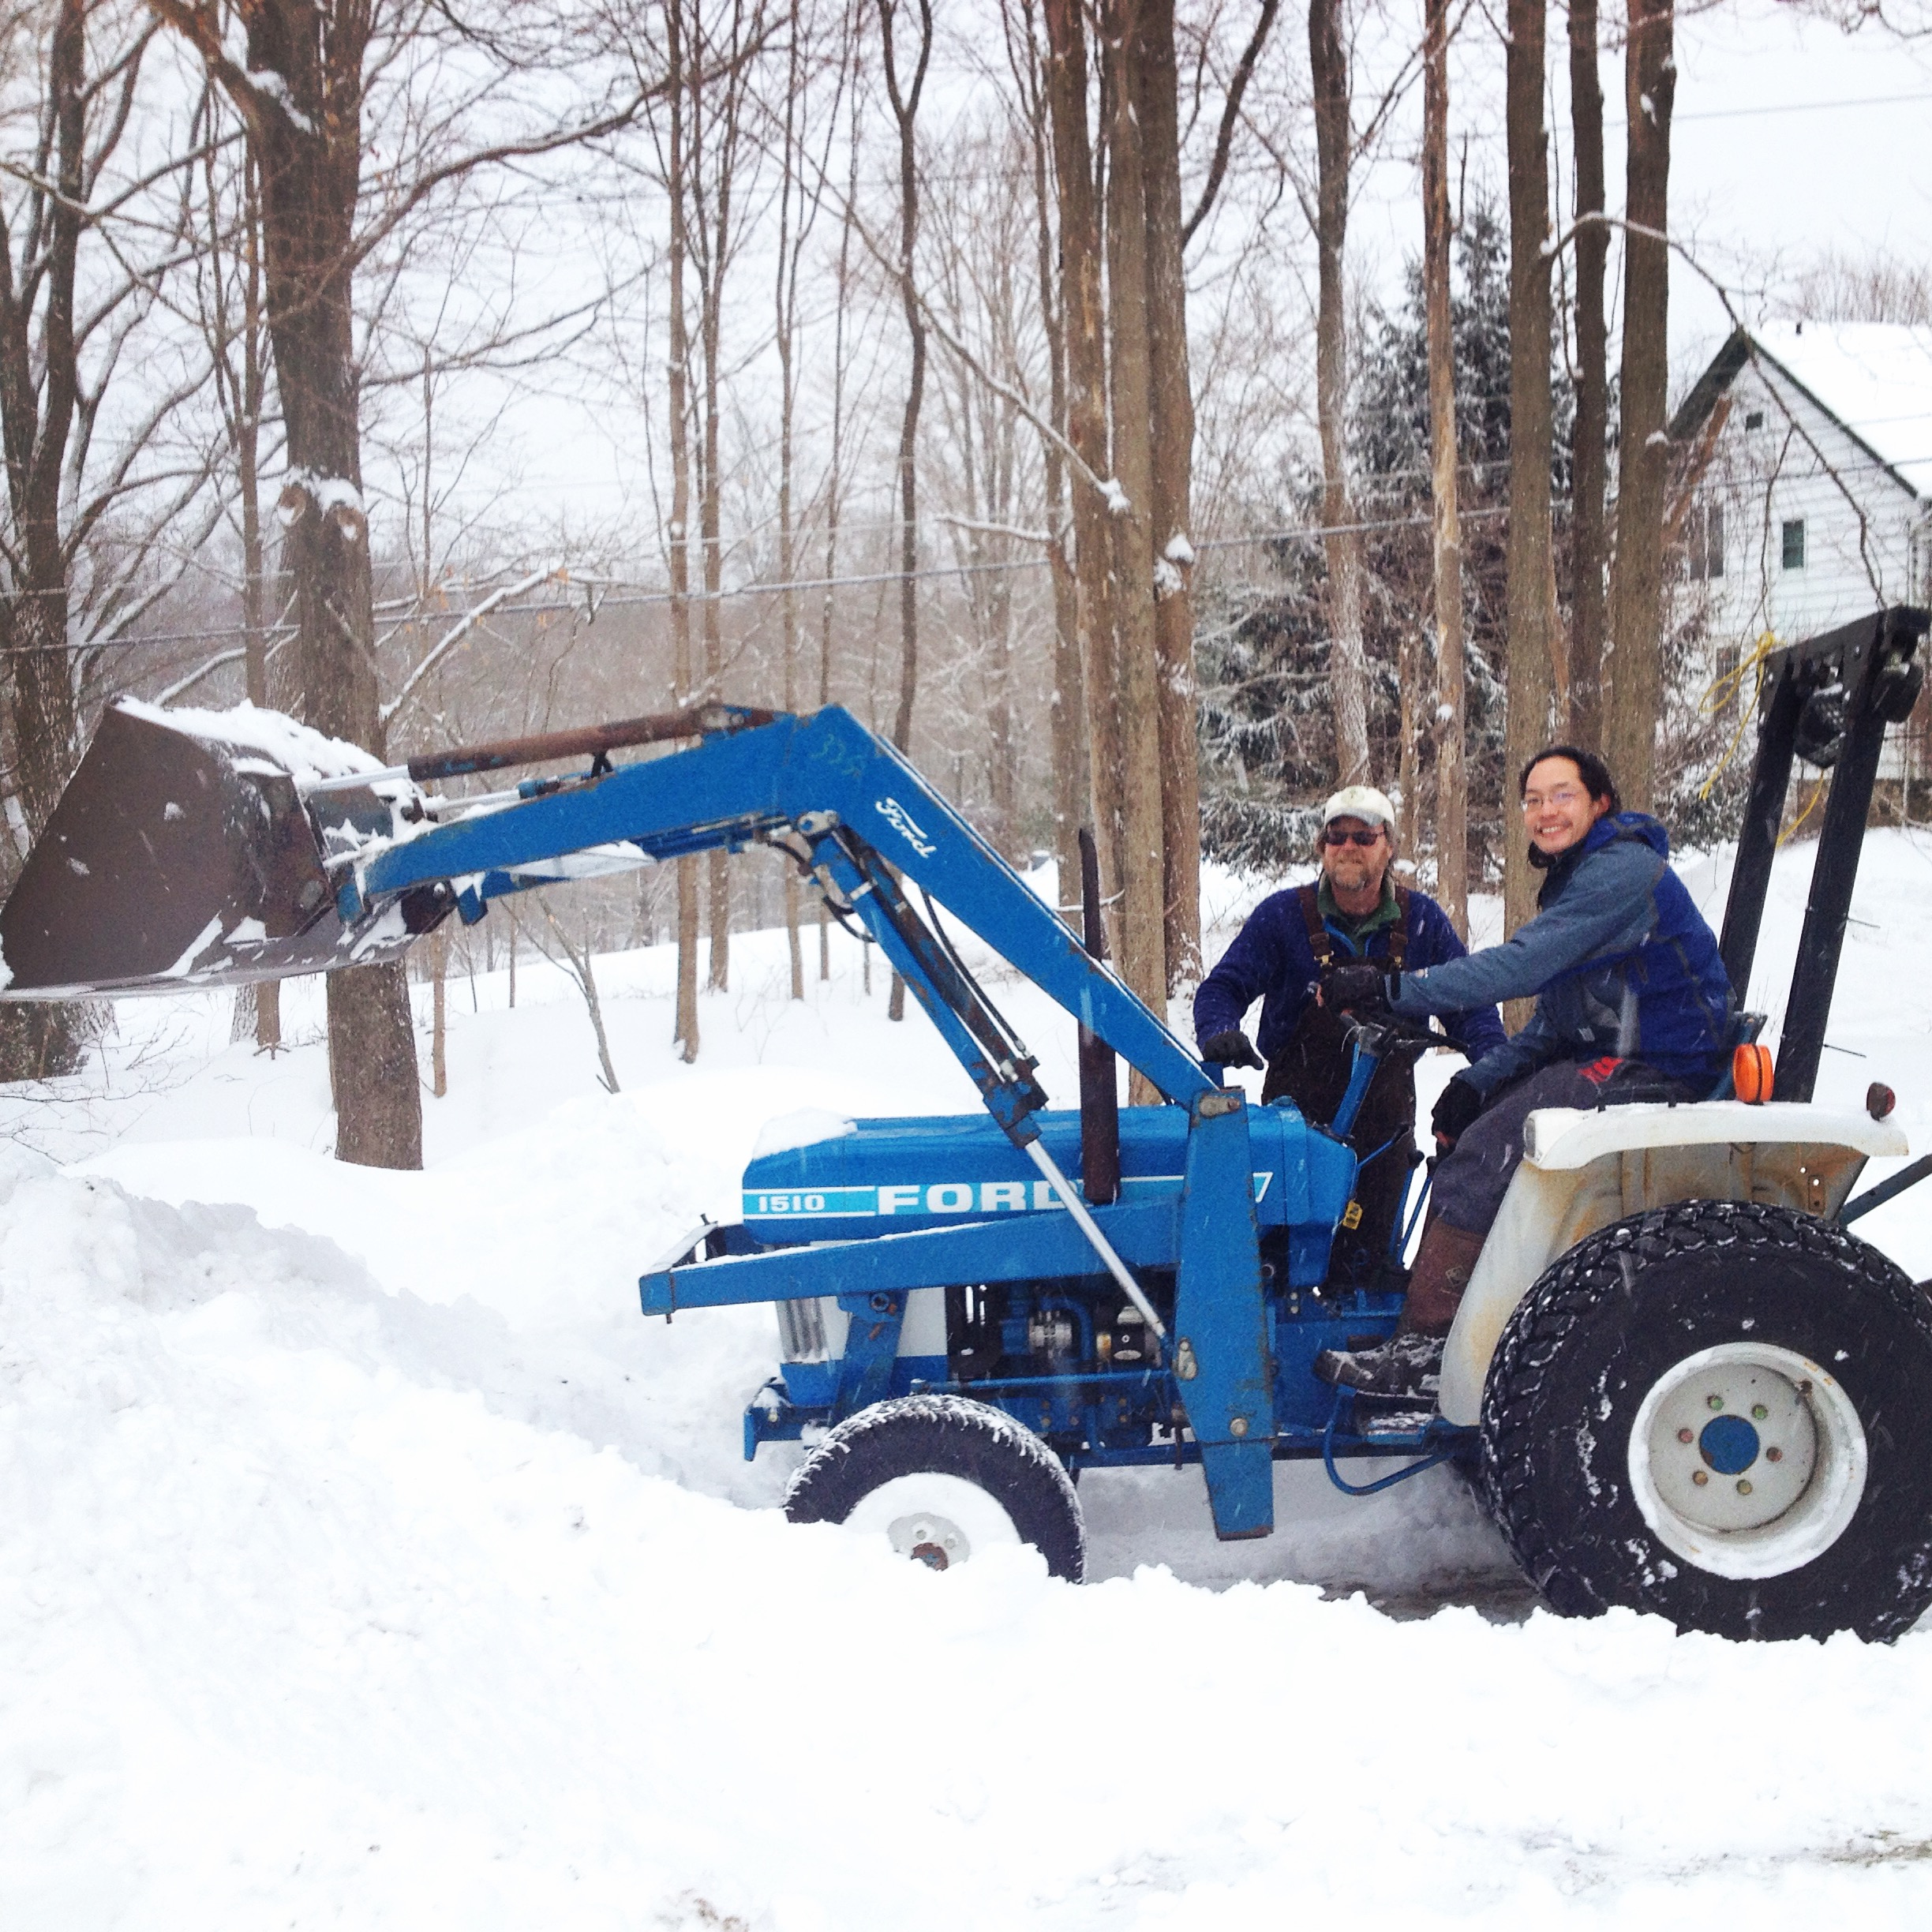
[1583, 1169]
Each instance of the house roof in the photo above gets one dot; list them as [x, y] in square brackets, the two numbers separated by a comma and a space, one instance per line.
[1875, 378]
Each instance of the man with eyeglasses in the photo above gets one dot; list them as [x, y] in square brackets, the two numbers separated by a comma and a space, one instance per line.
[1353, 911]
[1633, 1004]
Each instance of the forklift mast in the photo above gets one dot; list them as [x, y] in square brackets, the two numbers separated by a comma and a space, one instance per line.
[1826, 701]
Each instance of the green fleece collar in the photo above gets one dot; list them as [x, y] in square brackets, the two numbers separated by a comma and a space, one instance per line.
[1385, 914]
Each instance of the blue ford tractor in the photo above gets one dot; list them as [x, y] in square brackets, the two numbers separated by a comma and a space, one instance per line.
[1681, 1383]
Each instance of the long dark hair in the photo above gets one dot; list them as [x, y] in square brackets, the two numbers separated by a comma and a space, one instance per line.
[1594, 773]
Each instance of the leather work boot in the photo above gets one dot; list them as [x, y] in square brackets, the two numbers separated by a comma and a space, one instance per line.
[1408, 1366]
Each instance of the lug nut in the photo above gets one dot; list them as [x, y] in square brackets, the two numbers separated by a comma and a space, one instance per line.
[1743, 1485]
[1759, 1412]
[1774, 1455]
[1684, 1435]
[1713, 1402]
[1700, 1477]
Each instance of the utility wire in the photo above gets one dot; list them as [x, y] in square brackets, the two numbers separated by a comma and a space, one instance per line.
[644, 598]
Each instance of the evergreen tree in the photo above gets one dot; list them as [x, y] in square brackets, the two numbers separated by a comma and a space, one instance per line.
[1267, 748]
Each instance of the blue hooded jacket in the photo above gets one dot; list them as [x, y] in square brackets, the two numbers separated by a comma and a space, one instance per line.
[1620, 958]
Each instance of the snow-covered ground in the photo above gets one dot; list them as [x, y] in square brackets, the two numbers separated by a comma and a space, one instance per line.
[365, 1558]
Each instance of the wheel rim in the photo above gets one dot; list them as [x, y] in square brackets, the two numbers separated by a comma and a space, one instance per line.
[1747, 1459]
[936, 1519]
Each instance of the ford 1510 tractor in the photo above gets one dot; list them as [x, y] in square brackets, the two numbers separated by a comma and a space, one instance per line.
[1681, 1383]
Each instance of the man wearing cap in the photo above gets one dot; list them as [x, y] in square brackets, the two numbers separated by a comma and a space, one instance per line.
[1353, 911]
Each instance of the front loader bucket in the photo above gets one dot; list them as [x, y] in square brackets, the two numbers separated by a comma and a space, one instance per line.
[177, 858]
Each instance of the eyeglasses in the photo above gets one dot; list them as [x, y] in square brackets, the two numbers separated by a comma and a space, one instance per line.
[1333, 835]
[1567, 795]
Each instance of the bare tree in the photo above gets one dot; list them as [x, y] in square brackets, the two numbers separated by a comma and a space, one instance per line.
[719, 61]
[300, 79]
[835, 475]
[1072, 780]
[229, 301]
[1531, 620]
[903, 93]
[1157, 104]
[87, 247]
[1082, 327]
[1348, 662]
[1143, 955]
[684, 672]
[1643, 455]
[1450, 730]
[1589, 535]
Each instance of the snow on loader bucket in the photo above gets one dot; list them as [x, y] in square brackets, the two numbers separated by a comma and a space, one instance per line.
[199, 848]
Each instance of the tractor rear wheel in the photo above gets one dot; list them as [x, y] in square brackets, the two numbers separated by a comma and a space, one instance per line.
[941, 1478]
[1719, 1411]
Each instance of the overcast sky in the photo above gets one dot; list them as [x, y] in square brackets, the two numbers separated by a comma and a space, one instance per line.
[1791, 137]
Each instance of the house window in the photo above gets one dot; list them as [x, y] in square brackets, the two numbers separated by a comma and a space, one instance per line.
[1794, 543]
[1704, 549]
[1754, 419]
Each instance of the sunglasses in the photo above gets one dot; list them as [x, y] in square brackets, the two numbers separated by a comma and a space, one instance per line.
[1333, 835]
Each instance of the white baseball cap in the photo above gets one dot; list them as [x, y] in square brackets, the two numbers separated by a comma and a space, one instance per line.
[1363, 802]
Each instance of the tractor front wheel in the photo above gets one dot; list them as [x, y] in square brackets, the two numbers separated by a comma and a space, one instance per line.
[941, 1478]
[1719, 1411]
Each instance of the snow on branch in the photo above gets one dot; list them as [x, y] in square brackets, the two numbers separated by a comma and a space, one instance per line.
[460, 630]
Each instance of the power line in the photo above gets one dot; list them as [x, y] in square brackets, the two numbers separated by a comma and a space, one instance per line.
[643, 599]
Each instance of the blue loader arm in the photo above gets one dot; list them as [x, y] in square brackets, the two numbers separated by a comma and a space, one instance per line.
[798, 782]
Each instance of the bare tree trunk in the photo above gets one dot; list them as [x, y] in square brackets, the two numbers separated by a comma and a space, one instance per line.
[1408, 767]
[684, 668]
[905, 100]
[243, 392]
[439, 971]
[710, 69]
[1527, 662]
[1157, 96]
[835, 481]
[1143, 955]
[1083, 326]
[1637, 597]
[1587, 531]
[310, 164]
[40, 395]
[785, 304]
[1450, 733]
[1348, 664]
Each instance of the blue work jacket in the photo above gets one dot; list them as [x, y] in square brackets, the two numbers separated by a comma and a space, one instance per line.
[1271, 960]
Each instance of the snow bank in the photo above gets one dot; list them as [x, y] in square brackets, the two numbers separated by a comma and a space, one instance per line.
[365, 1558]
[301, 1627]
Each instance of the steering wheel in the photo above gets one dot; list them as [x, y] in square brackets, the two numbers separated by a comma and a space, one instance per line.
[1387, 1034]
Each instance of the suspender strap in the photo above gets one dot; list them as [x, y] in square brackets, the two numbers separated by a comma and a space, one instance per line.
[1321, 942]
[1399, 933]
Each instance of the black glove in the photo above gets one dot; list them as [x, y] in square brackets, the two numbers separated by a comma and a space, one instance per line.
[1362, 987]
[1231, 1047]
[1456, 1107]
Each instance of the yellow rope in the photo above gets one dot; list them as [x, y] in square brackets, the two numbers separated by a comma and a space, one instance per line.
[1725, 687]
[1790, 831]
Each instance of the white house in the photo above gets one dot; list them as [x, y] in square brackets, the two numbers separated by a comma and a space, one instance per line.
[1815, 505]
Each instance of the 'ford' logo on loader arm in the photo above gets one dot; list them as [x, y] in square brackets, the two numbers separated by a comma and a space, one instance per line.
[905, 824]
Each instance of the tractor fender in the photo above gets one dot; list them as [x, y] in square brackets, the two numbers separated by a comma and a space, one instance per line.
[1583, 1169]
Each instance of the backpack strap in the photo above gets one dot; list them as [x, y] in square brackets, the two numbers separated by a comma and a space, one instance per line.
[1321, 942]
[1399, 933]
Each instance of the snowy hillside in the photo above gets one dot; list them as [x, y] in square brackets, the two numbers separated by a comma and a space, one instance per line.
[367, 1560]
